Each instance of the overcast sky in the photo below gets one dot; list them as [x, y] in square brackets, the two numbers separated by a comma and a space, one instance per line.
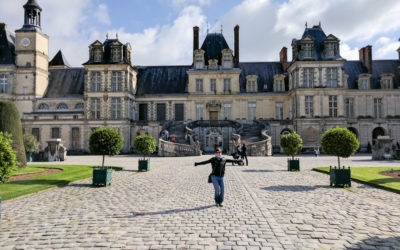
[160, 31]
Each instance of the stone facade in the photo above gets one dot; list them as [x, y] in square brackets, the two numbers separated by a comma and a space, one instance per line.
[318, 90]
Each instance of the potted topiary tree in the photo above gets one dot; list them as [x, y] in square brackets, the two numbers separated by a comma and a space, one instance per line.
[291, 144]
[8, 160]
[145, 145]
[31, 145]
[104, 141]
[339, 142]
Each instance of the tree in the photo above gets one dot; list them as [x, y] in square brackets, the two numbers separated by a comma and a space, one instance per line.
[339, 142]
[8, 159]
[291, 144]
[105, 141]
[145, 144]
[10, 122]
[31, 144]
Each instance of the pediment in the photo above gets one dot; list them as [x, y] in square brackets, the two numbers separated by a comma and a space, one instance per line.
[96, 43]
[307, 38]
[331, 38]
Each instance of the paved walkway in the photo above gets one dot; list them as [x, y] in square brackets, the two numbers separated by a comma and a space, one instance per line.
[172, 206]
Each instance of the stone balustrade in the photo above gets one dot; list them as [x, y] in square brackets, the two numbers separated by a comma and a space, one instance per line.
[171, 149]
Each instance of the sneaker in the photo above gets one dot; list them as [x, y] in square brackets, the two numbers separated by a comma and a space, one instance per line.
[217, 205]
[221, 205]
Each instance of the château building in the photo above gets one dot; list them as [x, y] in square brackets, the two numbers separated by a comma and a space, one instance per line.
[214, 100]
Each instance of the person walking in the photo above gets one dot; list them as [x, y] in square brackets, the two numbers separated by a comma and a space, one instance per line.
[244, 153]
[217, 176]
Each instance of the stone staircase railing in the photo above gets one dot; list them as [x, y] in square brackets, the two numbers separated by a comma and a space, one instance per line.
[171, 149]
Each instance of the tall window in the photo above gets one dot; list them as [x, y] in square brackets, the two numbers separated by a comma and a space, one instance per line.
[330, 49]
[36, 133]
[228, 111]
[55, 133]
[199, 111]
[279, 111]
[309, 105]
[116, 54]
[332, 77]
[386, 84]
[308, 78]
[97, 55]
[252, 111]
[199, 61]
[227, 84]
[213, 84]
[251, 86]
[349, 105]
[3, 83]
[307, 50]
[143, 112]
[278, 85]
[378, 107]
[161, 110]
[116, 108]
[199, 85]
[116, 81]
[333, 106]
[364, 84]
[227, 61]
[96, 82]
[95, 108]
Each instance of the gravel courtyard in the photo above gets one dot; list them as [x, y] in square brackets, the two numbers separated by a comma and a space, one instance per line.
[172, 206]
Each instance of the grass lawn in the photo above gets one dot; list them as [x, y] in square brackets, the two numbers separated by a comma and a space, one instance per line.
[27, 170]
[69, 174]
[371, 176]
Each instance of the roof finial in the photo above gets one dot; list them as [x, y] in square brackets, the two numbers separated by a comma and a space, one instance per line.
[107, 35]
[306, 25]
[116, 35]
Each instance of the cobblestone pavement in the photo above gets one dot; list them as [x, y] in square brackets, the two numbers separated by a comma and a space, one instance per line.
[171, 206]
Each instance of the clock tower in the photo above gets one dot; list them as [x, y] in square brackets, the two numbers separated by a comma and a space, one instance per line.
[32, 58]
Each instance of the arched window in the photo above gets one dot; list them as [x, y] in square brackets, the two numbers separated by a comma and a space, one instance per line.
[62, 106]
[44, 106]
[79, 106]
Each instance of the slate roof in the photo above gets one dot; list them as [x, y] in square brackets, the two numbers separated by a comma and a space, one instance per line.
[213, 45]
[59, 60]
[7, 47]
[265, 72]
[65, 83]
[162, 80]
[319, 36]
[379, 67]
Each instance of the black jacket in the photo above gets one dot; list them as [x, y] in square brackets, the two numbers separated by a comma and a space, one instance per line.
[218, 165]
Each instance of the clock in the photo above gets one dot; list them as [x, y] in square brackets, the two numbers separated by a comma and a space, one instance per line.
[25, 42]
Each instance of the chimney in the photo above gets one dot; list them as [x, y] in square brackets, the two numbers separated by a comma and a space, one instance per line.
[3, 26]
[283, 59]
[366, 57]
[196, 38]
[236, 31]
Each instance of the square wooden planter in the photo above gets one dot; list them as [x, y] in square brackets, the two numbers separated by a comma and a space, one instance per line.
[102, 176]
[294, 165]
[144, 165]
[340, 176]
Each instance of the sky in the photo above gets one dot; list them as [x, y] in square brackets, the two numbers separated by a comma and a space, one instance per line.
[161, 31]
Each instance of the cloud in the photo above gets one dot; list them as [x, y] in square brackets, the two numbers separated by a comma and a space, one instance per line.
[349, 53]
[101, 14]
[384, 47]
[179, 3]
[167, 44]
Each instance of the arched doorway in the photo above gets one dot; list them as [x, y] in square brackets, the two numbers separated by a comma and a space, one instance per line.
[213, 139]
[353, 130]
[378, 131]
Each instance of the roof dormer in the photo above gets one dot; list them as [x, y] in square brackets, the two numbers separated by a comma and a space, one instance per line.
[307, 47]
[331, 46]
[198, 59]
[227, 58]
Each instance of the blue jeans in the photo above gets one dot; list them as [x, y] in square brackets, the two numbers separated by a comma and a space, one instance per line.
[219, 187]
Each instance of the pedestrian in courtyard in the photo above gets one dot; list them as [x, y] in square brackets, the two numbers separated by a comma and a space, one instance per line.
[217, 176]
[243, 154]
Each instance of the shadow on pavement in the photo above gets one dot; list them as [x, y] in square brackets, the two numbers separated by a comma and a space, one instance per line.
[261, 170]
[294, 188]
[377, 243]
[172, 211]
[40, 182]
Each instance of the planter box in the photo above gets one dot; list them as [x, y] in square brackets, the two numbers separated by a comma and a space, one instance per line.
[144, 165]
[102, 176]
[340, 176]
[294, 165]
